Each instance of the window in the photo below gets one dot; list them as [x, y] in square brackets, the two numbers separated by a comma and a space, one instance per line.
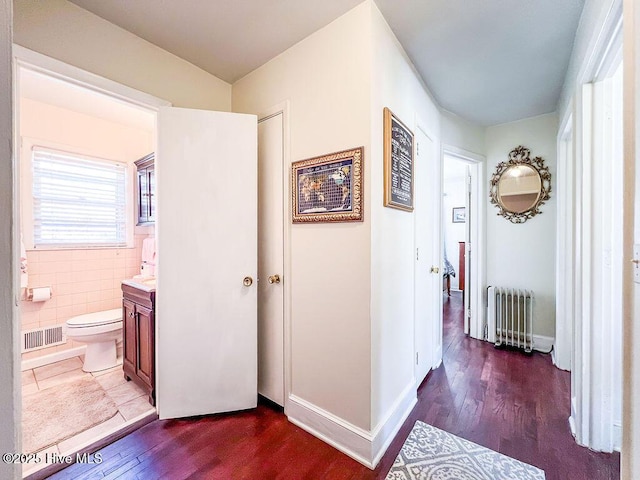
[78, 201]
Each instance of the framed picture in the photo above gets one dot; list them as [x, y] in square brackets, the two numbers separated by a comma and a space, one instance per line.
[328, 188]
[459, 215]
[398, 163]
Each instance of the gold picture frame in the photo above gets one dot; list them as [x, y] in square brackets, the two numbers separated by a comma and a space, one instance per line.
[398, 163]
[523, 178]
[328, 188]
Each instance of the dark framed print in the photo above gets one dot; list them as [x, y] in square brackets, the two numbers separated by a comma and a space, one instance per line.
[328, 188]
[459, 215]
[398, 163]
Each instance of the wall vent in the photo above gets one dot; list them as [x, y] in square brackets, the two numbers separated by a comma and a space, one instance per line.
[42, 338]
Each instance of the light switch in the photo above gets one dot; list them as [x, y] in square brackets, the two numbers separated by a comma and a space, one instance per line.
[636, 263]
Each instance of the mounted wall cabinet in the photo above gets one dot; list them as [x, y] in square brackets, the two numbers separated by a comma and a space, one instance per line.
[146, 189]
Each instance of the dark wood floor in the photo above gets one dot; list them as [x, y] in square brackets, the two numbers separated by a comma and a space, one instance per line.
[512, 403]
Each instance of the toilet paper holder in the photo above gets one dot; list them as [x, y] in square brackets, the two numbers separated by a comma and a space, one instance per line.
[39, 291]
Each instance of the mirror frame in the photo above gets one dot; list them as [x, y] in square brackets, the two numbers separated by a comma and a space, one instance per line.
[521, 156]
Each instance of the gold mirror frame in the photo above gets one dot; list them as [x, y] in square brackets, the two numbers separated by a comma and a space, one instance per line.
[521, 156]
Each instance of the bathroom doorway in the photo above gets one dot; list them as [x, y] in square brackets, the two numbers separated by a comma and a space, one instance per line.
[190, 196]
[65, 131]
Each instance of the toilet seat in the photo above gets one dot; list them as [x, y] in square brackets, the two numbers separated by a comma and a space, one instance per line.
[96, 319]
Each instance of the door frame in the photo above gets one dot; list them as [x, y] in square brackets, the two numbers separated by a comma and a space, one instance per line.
[283, 108]
[589, 413]
[477, 227]
[565, 244]
[37, 62]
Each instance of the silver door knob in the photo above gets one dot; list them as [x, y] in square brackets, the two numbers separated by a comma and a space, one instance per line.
[247, 282]
[274, 278]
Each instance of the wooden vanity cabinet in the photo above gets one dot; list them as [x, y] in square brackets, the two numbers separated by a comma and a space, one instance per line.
[138, 320]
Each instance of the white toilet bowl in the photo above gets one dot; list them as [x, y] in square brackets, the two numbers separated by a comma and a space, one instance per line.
[100, 331]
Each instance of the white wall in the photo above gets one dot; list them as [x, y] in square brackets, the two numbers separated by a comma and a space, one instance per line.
[62, 30]
[523, 255]
[9, 371]
[460, 133]
[397, 86]
[453, 197]
[325, 78]
[592, 19]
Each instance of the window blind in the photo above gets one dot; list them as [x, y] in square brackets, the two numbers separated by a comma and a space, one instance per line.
[78, 201]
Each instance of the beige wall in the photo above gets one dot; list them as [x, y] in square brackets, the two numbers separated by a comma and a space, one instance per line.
[84, 133]
[326, 80]
[87, 280]
[397, 86]
[64, 31]
[530, 245]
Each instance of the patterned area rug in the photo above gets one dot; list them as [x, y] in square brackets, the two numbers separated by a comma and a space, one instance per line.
[57, 413]
[429, 453]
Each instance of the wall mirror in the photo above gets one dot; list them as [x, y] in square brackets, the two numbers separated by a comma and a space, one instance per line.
[520, 186]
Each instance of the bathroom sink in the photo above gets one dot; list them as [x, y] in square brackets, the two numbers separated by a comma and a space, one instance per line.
[145, 283]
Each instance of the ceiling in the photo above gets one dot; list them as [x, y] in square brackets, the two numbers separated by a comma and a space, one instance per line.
[489, 61]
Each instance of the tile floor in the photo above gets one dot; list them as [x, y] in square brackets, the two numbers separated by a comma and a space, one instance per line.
[128, 397]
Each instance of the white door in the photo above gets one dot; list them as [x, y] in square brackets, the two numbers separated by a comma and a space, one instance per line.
[206, 231]
[271, 259]
[427, 284]
[469, 216]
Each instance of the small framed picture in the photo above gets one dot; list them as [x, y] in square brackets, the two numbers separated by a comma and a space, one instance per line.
[459, 215]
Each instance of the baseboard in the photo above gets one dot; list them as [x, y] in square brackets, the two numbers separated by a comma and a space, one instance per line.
[572, 418]
[617, 437]
[361, 445]
[572, 426]
[438, 357]
[388, 428]
[542, 343]
[349, 439]
[52, 358]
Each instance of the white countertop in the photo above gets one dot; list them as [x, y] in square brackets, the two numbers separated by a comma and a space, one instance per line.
[147, 285]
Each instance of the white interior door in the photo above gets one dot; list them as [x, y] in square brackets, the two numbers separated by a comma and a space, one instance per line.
[206, 231]
[271, 259]
[427, 285]
[469, 216]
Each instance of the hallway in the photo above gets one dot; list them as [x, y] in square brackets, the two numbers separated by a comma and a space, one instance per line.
[507, 401]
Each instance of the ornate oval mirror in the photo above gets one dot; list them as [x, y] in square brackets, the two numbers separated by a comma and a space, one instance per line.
[520, 186]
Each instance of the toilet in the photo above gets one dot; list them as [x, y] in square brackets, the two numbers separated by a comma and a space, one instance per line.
[100, 331]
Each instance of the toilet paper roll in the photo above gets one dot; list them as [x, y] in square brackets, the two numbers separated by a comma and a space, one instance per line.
[41, 294]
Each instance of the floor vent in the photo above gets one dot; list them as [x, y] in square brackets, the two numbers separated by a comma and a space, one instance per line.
[42, 338]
